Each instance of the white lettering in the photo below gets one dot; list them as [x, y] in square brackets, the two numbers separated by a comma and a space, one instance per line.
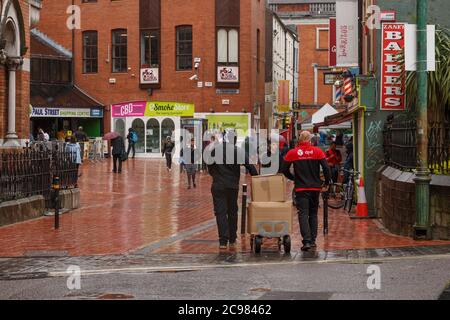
[394, 91]
[392, 102]
[394, 68]
[394, 35]
[393, 46]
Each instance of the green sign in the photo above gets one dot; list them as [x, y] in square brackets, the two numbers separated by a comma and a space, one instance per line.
[222, 122]
[169, 109]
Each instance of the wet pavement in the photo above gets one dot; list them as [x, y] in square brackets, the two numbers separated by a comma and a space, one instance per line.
[147, 211]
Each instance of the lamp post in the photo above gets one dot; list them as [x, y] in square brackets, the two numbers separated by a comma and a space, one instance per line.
[423, 177]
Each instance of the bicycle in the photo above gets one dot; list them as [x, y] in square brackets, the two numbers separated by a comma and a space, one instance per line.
[342, 195]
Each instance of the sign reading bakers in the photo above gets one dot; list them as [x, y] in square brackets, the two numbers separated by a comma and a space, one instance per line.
[392, 69]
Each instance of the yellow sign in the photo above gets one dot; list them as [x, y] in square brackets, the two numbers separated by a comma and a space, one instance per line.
[169, 109]
[222, 122]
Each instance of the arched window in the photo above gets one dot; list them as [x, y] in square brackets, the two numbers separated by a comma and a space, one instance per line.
[139, 126]
[119, 127]
[152, 135]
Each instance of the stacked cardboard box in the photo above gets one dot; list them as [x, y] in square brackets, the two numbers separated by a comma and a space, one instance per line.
[269, 204]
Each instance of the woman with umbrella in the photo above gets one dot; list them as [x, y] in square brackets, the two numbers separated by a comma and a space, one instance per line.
[118, 150]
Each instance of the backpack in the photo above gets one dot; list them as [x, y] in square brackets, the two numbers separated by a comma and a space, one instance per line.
[134, 137]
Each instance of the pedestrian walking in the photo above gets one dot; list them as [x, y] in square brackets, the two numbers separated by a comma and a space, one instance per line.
[167, 152]
[81, 137]
[307, 161]
[74, 150]
[132, 138]
[191, 157]
[118, 153]
[334, 159]
[224, 167]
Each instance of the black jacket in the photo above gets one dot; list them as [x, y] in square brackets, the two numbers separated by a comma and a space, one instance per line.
[227, 173]
[307, 161]
[168, 147]
[118, 146]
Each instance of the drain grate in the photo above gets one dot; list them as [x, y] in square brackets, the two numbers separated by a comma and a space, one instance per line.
[292, 295]
[23, 276]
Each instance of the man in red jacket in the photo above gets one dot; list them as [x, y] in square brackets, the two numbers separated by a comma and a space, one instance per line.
[334, 159]
[307, 161]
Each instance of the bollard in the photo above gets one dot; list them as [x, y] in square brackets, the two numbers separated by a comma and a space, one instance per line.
[244, 209]
[56, 187]
[325, 212]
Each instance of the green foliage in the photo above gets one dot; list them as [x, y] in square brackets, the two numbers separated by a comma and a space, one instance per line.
[438, 81]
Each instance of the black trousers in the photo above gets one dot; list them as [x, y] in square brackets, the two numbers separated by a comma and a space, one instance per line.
[117, 158]
[226, 211]
[132, 146]
[307, 203]
[169, 160]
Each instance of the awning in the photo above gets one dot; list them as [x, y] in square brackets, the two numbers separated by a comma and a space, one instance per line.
[339, 118]
[61, 96]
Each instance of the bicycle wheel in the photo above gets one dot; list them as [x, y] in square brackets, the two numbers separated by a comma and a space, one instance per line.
[350, 197]
[336, 198]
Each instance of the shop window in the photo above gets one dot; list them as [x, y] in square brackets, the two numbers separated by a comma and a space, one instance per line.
[119, 127]
[167, 129]
[153, 136]
[139, 126]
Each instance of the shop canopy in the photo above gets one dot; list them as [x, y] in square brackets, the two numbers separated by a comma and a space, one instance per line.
[320, 116]
[339, 119]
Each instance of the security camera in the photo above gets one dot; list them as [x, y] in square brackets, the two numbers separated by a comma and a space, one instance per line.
[194, 78]
[196, 65]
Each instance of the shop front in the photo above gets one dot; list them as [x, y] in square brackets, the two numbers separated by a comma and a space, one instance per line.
[152, 121]
[62, 122]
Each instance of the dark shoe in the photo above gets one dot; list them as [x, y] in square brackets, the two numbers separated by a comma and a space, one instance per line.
[195, 186]
[114, 171]
[306, 247]
[313, 245]
[189, 187]
[232, 245]
[120, 172]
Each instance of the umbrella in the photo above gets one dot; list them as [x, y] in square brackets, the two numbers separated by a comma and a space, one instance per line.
[111, 136]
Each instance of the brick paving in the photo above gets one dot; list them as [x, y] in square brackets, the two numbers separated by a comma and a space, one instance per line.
[147, 209]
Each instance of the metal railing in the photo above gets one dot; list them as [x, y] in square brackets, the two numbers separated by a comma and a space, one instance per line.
[29, 172]
[400, 145]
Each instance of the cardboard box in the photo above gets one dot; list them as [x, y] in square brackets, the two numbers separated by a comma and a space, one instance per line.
[266, 212]
[269, 188]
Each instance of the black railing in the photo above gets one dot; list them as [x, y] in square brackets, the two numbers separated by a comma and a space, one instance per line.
[29, 172]
[400, 145]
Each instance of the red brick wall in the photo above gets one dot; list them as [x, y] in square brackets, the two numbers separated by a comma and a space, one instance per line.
[301, 7]
[22, 89]
[175, 86]
[307, 56]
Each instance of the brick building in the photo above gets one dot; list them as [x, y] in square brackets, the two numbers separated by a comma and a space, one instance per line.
[311, 18]
[17, 17]
[154, 63]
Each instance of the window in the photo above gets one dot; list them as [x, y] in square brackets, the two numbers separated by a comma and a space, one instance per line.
[119, 50]
[149, 49]
[228, 46]
[322, 39]
[184, 48]
[90, 52]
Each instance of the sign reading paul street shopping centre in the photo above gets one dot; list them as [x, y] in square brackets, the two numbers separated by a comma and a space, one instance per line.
[153, 109]
[38, 112]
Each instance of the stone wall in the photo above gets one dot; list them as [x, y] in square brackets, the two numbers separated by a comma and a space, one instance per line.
[34, 207]
[395, 202]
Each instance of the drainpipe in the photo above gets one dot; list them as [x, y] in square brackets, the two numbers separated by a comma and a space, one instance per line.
[423, 176]
[316, 79]
[73, 49]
